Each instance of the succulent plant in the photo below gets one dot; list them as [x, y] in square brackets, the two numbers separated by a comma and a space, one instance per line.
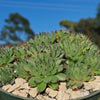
[82, 59]
[77, 73]
[21, 53]
[51, 58]
[42, 39]
[59, 34]
[7, 74]
[6, 56]
[74, 50]
[92, 61]
[32, 47]
[45, 69]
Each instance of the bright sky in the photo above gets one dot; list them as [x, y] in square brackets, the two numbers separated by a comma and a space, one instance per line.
[44, 15]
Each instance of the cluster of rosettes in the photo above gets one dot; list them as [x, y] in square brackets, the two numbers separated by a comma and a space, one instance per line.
[49, 59]
[82, 58]
[45, 69]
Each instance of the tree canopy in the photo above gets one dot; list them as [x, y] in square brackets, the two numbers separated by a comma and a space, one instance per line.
[89, 26]
[17, 29]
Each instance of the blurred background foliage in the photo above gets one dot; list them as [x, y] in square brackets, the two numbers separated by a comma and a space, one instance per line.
[18, 27]
[15, 29]
[89, 27]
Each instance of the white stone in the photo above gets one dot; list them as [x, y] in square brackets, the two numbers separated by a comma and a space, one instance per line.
[24, 90]
[20, 81]
[33, 92]
[6, 87]
[76, 94]
[96, 86]
[41, 97]
[63, 96]
[97, 79]
[69, 90]
[92, 85]
[85, 92]
[15, 92]
[14, 71]
[14, 87]
[20, 93]
[88, 85]
[51, 92]
[62, 86]
[25, 86]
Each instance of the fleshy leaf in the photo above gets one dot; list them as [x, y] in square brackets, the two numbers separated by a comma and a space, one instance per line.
[47, 79]
[37, 79]
[61, 76]
[53, 85]
[32, 83]
[54, 79]
[41, 86]
[28, 68]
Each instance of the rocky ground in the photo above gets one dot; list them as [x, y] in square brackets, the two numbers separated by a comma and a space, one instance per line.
[21, 88]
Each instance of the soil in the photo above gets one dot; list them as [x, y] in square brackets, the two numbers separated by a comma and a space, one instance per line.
[21, 88]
